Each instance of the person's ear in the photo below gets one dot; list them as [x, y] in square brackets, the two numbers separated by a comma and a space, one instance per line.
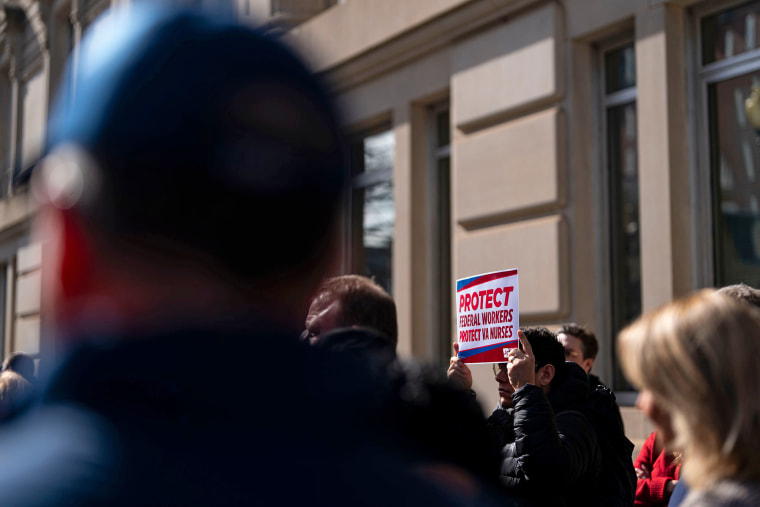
[587, 364]
[545, 375]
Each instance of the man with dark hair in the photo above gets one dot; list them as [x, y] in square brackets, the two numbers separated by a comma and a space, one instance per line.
[549, 449]
[348, 301]
[176, 198]
[353, 314]
[581, 348]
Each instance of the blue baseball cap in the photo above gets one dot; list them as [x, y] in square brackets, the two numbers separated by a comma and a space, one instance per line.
[203, 133]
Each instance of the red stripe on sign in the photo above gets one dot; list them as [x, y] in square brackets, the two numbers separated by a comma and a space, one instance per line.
[488, 278]
[491, 356]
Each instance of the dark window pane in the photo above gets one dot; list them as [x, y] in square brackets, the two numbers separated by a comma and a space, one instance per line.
[445, 292]
[624, 220]
[442, 127]
[3, 293]
[730, 33]
[620, 69]
[735, 161]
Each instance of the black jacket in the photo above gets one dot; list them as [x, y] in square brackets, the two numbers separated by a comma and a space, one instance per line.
[550, 454]
[618, 477]
[210, 417]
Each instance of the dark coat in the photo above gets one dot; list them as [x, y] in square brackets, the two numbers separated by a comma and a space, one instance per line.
[550, 451]
[203, 417]
[429, 414]
[618, 477]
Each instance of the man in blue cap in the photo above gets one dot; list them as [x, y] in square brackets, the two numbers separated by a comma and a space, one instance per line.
[189, 200]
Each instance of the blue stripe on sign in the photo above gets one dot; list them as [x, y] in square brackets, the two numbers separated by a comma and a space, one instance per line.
[465, 282]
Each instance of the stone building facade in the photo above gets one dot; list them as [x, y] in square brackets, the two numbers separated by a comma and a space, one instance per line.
[602, 147]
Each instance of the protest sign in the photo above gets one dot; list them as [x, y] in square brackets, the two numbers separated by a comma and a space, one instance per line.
[487, 316]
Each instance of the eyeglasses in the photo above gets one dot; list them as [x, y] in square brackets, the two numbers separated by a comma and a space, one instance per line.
[499, 367]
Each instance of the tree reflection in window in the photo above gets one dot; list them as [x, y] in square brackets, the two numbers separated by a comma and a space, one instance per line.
[372, 205]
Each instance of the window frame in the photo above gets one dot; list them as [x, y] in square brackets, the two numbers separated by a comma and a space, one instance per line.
[441, 319]
[705, 191]
[606, 285]
[363, 180]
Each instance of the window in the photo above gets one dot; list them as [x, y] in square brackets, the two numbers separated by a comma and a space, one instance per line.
[294, 12]
[729, 68]
[440, 229]
[622, 178]
[4, 295]
[372, 207]
[24, 96]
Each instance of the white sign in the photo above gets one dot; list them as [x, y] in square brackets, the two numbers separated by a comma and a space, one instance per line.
[487, 316]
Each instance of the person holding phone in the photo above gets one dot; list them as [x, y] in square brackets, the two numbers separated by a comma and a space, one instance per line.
[550, 453]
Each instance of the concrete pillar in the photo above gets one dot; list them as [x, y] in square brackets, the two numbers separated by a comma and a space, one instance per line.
[664, 175]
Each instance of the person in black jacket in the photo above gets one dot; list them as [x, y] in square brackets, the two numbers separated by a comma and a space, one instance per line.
[550, 454]
[618, 476]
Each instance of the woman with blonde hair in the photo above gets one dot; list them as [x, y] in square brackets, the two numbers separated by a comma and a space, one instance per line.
[695, 362]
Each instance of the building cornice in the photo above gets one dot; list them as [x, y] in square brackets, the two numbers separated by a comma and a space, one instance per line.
[379, 55]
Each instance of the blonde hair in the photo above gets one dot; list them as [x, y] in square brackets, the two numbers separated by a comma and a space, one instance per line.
[698, 356]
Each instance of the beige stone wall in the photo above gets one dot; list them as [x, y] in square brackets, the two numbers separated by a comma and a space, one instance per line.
[510, 163]
[36, 39]
[24, 72]
[26, 314]
[498, 168]
[522, 78]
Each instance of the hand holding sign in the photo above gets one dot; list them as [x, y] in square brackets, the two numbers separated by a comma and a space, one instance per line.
[458, 371]
[521, 364]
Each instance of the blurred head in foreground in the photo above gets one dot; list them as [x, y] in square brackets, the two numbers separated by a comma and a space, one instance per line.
[190, 201]
[181, 175]
[695, 363]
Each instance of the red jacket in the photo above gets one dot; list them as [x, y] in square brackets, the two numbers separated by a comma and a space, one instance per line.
[651, 491]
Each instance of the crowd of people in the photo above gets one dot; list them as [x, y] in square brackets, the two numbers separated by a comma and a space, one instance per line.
[189, 199]
[556, 423]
